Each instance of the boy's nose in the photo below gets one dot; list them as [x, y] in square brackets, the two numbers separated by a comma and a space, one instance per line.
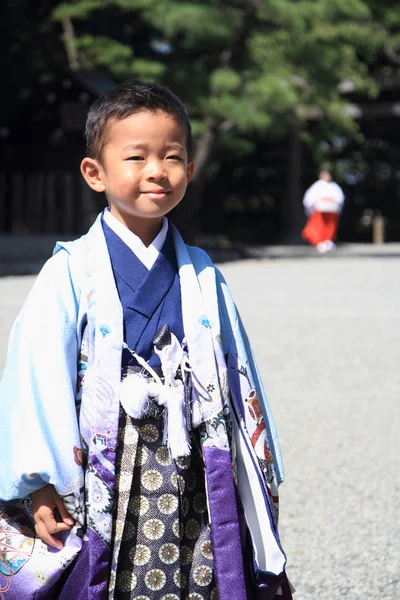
[156, 170]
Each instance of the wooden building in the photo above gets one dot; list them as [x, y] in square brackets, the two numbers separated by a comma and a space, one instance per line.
[42, 191]
[41, 146]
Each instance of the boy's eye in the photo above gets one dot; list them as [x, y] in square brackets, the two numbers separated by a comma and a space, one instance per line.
[135, 158]
[175, 157]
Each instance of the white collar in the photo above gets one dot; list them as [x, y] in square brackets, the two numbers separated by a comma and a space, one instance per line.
[146, 254]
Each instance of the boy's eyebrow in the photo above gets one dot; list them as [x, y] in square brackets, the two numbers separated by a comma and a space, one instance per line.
[175, 146]
[172, 146]
[135, 147]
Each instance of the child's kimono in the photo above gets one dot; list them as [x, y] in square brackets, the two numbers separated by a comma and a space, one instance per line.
[171, 476]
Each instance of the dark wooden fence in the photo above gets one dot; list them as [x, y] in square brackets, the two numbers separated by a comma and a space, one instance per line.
[45, 202]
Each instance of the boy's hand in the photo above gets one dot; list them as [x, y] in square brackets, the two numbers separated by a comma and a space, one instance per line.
[44, 502]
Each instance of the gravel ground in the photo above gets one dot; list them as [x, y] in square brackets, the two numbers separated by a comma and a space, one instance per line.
[327, 337]
[13, 291]
[326, 332]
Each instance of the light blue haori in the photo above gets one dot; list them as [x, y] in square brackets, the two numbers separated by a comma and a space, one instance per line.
[45, 423]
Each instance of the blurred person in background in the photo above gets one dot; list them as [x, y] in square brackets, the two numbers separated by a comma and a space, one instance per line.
[323, 203]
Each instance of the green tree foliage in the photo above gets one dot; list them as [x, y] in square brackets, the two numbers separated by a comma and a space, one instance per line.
[245, 68]
[246, 65]
[31, 50]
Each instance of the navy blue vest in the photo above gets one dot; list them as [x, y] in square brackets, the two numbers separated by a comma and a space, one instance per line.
[149, 298]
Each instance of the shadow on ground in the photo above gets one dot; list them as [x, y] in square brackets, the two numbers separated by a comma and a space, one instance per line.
[25, 254]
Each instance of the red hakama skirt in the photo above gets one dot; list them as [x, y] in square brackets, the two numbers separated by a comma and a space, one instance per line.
[320, 227]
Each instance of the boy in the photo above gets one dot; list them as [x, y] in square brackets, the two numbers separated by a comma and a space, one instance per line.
[161, 485]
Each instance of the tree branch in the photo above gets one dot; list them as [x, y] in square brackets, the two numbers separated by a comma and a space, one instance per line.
[204, 147]
[69, 39]
[391, 54]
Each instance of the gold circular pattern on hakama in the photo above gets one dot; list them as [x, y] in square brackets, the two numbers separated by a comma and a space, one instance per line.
[206, 550]
[200, 503]
[192, 530]
[167, 504]
[163, 457]
[152, 480]
[165, 526]
[178, 482]
[139, 505]
[129, 531]
[149, 432]
[183, 462]
[191, 482]
[202, 575]
[126, 581]
[179, 579]
[174, 480]
[154, 529]
[181, 484]
[155, 579]
[169, 553]
[140, 555]
[178, 529]
[185, 506]
[141, 457]
[186, 555]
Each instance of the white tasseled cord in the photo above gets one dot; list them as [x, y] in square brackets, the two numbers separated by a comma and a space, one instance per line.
[172, 357]
[137, 393]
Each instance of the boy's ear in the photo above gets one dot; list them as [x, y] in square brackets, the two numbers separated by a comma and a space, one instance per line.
[190, 171]
[93, 174]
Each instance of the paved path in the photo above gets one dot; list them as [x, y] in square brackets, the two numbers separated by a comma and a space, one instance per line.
[326, 331]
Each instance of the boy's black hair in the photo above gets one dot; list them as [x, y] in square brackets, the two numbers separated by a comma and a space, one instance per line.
[126, 100]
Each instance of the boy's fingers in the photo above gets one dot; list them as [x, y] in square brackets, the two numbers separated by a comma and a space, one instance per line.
[66, 517]
[51, 524]
[46, 516]
[46, 537]
[60, 527]
[46, 526]
[47, 510]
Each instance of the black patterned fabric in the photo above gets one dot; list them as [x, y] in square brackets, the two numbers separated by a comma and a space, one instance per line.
[162, 545]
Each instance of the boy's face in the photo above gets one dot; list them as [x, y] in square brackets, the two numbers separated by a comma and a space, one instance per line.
[144, 169]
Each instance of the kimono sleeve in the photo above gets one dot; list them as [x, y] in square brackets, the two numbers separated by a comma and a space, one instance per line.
[243, 367]
[38, 423]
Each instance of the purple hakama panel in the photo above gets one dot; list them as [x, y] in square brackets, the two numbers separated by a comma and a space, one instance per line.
[88, 577]
[225, 527]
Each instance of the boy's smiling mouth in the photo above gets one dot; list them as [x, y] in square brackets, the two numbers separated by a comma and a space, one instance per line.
[156, 193]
